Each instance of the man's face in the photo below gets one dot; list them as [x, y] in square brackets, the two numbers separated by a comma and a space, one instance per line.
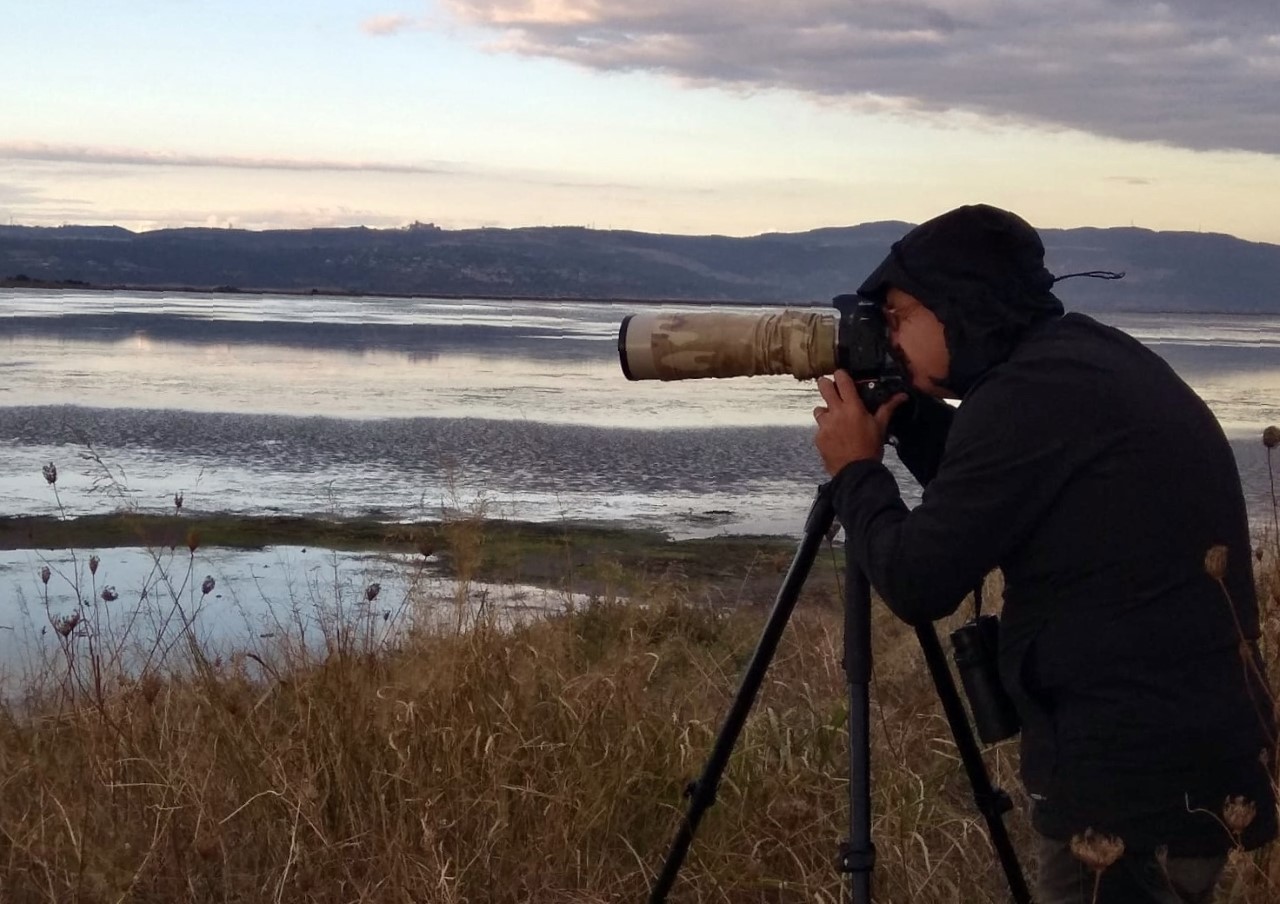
[918, 337]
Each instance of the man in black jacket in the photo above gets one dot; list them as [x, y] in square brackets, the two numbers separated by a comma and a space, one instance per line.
[1080, 465]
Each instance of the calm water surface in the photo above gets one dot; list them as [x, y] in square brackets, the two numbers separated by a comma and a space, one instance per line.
[401, 408]
[409, 409]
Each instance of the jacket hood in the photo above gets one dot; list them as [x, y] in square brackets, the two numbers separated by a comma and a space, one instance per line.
[981, 271]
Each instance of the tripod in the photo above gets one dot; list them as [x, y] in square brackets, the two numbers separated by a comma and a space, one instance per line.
[857, 855]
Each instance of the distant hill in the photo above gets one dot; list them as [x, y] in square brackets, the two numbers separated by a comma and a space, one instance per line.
[1172, 271]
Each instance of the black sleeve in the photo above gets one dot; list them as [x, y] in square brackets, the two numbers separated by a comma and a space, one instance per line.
[1003, 465]
[918, 432]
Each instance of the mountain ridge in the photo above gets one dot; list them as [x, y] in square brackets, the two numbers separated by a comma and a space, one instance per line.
[1173, 271]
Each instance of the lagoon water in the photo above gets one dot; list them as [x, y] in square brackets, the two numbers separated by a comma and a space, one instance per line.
[406, 409]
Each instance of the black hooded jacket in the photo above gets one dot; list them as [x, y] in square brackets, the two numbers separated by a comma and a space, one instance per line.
[1097, 481]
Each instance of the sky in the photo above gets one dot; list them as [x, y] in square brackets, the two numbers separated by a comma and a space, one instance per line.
[732, 117]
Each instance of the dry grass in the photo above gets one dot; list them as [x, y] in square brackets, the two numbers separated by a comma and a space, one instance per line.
[543, 762]
[478, 762]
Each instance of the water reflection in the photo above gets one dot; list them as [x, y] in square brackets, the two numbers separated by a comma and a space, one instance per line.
[257, 599]
[554, 381]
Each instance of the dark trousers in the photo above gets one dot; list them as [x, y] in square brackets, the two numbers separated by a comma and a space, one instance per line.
[1135, 878]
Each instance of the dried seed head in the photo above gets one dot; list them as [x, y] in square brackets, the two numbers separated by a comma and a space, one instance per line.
[93, 564]
[371, 592]
[109, 594]
[67, 624]
[1096, 850]
[193, 540]
[1237, 813]
[1270, 437]
[45, 573]
[50, 472]
[209, 583]
[1215, 562]
[177, 500]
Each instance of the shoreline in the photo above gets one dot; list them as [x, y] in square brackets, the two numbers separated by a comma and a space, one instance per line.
[532, 552]
[79, 286]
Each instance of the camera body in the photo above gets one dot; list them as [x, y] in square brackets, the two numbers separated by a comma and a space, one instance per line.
[863, 349]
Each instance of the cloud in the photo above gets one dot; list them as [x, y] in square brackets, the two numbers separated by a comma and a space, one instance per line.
[140, 220]
[102, 159]
[40, 152]
[381, 26]
[1181, 72]
[18, 194]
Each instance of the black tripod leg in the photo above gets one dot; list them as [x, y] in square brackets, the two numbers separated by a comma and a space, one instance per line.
[858, 854]
[992, 802]
[702, 793]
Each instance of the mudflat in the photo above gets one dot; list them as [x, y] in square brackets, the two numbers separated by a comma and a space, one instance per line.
[585, 556]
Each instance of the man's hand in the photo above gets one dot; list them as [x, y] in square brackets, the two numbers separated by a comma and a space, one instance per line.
[847, 432]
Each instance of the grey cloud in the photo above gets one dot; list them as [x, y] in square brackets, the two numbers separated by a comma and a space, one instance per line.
[1180, 72]
[51, 153]
[34, 156]
[18, 198]
[17, 194]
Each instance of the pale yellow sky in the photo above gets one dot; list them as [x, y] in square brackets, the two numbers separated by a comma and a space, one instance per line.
[655, 116]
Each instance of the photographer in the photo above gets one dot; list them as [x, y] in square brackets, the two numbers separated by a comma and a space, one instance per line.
[1080, 465]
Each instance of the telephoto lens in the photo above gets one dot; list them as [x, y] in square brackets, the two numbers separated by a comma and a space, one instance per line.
[694, 345]
[691, 345]
[975, 647]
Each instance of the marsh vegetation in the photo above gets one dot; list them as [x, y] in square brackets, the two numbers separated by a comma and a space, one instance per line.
[479, 757]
